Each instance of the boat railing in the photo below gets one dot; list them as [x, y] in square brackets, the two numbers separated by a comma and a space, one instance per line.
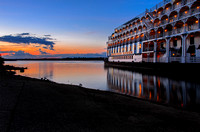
[192, 59]
[175, 59]
[162, 59]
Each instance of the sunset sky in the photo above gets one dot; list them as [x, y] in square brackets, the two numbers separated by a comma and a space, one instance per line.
[52, 27]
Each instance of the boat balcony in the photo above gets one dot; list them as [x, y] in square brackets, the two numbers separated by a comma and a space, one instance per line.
[144, 30]
[160, 14]
[152, 37]
[139, 31]
[151, 48]
[140, 23]
[151, 15]
[192, 59]
[131, 41]
[137, 39]
[127, 42]
[179, 59]
[176, 6]
[156, 24]
[183, 14]
[163, 22]
[143, 38]
[178, 30]
[192, 27]
[168, 10]
[172, 19]
[135, 33]
[175, 59]
[195, 10]
[167, 24]
[168, 33]
[189, 1]
[145, 49]
[148, 23]
[160, 35]
[154, 15]
[148, 59]
[148, 47]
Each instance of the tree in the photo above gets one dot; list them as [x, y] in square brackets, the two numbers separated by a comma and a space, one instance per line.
[1, 61]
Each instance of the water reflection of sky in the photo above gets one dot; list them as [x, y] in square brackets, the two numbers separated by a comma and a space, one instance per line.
[92, 74]
[89, 74]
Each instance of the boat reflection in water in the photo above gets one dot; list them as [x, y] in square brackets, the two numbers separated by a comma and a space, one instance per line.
[159, 89]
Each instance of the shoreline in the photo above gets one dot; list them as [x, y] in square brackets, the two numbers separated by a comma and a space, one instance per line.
[30, 104]
[106, 91]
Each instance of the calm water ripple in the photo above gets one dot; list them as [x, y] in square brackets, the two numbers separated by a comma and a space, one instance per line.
[92, 74]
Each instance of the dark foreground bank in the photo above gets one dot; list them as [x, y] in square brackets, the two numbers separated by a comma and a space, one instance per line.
[32, 105]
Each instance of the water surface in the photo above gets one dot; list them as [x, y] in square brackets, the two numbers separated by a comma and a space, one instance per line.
[90, 74]
[93, 74]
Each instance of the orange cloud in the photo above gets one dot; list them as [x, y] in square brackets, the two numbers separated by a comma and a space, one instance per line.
[60, 48]
[79, 49]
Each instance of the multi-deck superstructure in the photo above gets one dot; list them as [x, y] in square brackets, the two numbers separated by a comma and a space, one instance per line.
[168, 32]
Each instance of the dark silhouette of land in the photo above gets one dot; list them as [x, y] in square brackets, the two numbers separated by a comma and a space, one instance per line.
[9, 69]
[33, 105]
[1, 61]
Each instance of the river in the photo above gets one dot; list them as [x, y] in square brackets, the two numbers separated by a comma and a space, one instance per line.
[93, 74]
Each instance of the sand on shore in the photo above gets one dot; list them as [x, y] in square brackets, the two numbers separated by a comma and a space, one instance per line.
[32, 105]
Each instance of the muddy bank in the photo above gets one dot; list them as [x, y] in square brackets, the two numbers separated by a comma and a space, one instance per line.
[30, 105]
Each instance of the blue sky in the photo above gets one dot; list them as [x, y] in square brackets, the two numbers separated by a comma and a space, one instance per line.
[72, 23]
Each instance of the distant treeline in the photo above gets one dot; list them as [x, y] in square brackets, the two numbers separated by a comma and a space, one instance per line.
[61, 59]
[7, 69]
[1, 61]
[2, 68]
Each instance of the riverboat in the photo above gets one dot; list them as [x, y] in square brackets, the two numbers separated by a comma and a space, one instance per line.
[168, 32]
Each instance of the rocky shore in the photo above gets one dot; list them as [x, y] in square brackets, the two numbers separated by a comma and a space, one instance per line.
[32, 105]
